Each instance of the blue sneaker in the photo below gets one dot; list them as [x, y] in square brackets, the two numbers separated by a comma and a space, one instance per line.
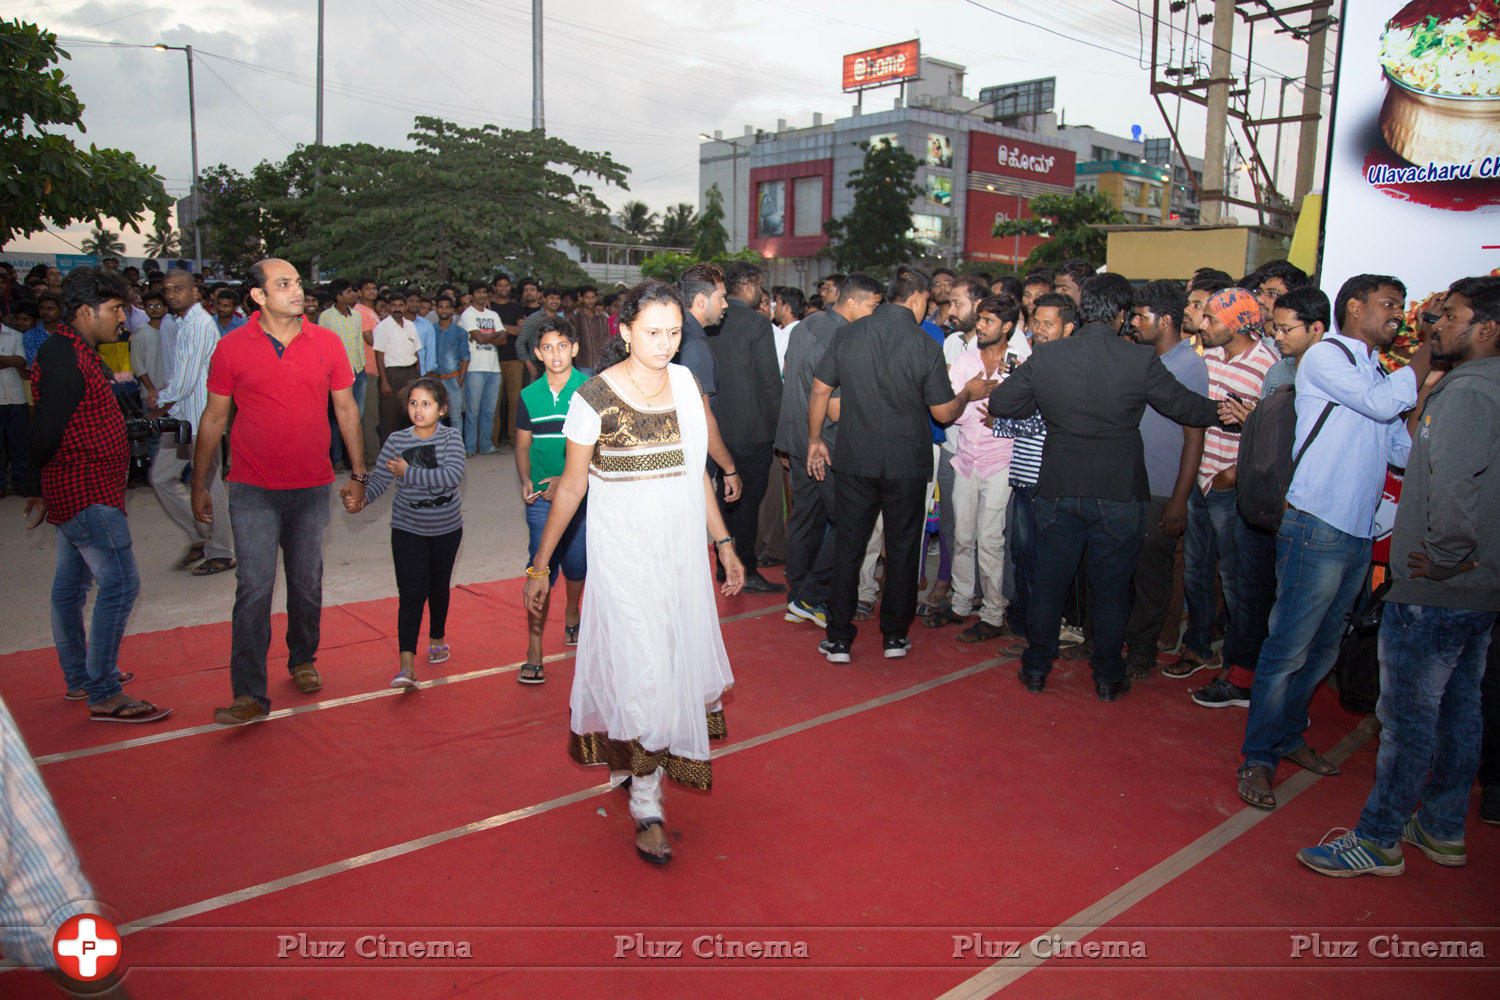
[1449, 853]
[800, 611]
[1348, 855]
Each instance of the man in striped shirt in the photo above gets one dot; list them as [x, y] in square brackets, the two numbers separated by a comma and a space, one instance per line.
[1237, 364]
[184, 397]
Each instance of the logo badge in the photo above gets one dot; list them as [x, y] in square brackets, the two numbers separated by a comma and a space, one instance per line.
[87, 947]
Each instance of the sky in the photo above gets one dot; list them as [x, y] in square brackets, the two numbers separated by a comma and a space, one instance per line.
[637, 78]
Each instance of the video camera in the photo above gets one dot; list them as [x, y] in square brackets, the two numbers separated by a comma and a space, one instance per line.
[146, 428]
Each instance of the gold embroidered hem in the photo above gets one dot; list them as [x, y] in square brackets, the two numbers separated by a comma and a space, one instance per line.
[589, 749]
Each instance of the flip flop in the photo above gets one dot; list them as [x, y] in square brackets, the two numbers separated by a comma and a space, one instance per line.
[209, 567]
[531, 673]
[78, 694]
[194, 553]
[154, 715]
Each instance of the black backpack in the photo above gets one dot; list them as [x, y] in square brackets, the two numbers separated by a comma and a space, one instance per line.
[1356, 672]
[1266, 464]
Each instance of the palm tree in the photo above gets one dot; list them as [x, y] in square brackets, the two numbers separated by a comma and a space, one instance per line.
[636, 219]
[163, 242]
[679, 224]
[103, 243]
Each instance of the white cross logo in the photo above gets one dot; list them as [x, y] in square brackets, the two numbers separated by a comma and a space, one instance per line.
[88, 947]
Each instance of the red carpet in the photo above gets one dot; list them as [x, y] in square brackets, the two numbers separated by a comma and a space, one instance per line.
[875, 813]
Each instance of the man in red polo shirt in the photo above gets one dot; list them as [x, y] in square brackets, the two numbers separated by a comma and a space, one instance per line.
[280, 370]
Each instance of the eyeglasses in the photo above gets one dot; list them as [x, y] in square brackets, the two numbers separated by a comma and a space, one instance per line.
[1430, 318]
[1275, 329]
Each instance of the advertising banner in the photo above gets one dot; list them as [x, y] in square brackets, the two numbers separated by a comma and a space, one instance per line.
[982, 209]
[1413, 184]
[887, 64]
[1008, 157]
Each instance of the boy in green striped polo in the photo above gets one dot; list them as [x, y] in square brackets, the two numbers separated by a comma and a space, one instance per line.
[540, 449]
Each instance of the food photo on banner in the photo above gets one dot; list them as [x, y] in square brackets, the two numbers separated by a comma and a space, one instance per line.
[1414, 155]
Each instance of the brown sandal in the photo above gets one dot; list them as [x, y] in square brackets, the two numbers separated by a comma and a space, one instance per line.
[1306, 757]
[1255, 787]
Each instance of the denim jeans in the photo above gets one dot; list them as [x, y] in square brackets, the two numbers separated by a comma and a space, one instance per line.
[1022, 527]
[1254, 593]
[265, 522]
[481, 396]
[336, 450]
[1319, 573]
[1431, 660]
[571, 554]
[1110, 531]
[455, 386]
[1210, 542]
[94, 545]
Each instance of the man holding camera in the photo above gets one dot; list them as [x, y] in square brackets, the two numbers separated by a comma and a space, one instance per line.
[79, 457]
[184, 397]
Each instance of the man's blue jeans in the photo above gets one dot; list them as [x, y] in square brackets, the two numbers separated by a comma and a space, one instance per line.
[1319, 573]
[1431, 662]
[1021, 523]
[336, 450]
[1209, 543]
[1112, 531]
[266, 522]
[455, 386]
[94, 545]
[481, 396]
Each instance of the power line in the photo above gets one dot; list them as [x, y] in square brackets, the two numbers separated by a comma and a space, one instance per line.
[253, 109]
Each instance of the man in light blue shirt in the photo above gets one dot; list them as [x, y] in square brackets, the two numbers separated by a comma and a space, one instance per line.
[184, 397]
[1323, 546]
[426, 334]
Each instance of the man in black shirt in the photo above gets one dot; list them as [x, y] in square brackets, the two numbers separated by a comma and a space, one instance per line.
[512, 371]
[810, 537]
[746, 407]
[1091, 388]
[892, 376]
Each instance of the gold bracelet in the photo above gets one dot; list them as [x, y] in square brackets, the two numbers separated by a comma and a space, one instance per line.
[532, 573]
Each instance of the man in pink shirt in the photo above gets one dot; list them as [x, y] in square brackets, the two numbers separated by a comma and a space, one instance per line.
[369, 403]
[981, 484]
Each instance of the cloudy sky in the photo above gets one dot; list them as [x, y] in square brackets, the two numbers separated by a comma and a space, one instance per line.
[639, 78]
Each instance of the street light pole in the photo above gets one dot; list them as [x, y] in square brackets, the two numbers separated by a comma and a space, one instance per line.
[193, 132]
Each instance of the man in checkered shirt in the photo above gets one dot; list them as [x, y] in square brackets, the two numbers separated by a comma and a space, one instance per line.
[79, 457]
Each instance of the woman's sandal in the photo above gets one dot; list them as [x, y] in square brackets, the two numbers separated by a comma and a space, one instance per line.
[1255, 787]
[531, 673]
[437, 652]
[862, 611]
[663, 853]
[570, 635]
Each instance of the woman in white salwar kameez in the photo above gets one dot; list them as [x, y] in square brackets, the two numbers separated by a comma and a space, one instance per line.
[651, 667]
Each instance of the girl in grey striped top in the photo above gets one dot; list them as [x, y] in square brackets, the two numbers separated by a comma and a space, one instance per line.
[425, 462]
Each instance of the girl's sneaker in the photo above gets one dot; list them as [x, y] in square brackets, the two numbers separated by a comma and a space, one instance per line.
[405, 678]
[437, 652]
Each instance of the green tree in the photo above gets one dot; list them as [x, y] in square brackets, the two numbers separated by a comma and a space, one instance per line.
[711, 239]
[1069, 219]
[250, 216]
[103, 243]
[876, 234]
[637, 220]
[164, 240]
[44, 176]
[462, 203]
[679, 225]
[668, 265]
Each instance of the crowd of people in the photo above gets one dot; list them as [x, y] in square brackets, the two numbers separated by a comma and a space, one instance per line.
[1161, 477]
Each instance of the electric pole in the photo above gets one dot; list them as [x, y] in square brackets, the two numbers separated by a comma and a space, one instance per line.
[538, 122]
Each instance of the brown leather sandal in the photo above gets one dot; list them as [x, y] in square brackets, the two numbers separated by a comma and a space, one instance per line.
[1255, 786]
[1306, 757]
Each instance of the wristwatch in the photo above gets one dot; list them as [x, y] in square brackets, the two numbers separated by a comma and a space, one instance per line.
[722, 541]
[359, 478]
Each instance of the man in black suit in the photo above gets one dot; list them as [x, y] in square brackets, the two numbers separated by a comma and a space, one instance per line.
[746, 407]
[1091, 389]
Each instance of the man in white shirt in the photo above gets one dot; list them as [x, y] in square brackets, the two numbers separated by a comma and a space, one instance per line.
[183, 397]
[482, 381]
[398, 346]
[15, 421]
